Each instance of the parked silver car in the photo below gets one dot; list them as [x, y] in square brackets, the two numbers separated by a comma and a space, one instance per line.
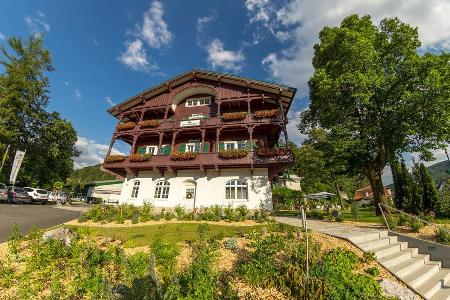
[37, 195]
[17, 194]
[3, 193]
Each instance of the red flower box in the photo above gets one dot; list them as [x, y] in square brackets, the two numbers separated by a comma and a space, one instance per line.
[271, 113]
[125, 126]
[149, 123]
[114, 158]
[233, 153]
[137, 157]
[272, 152]
[181, 156]
[235, 116]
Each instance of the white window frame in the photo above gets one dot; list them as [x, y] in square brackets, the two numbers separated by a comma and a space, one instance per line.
[162, 189]
[196, 117]
[236, 190]
[153, 150]
[201, 101]
[193, 146]
[235, 145]
[135, 189]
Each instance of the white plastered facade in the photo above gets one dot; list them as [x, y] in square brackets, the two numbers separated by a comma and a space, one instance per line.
[209, 188]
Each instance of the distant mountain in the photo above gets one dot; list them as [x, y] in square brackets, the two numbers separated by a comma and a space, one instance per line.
[89, 174]
[439, 171]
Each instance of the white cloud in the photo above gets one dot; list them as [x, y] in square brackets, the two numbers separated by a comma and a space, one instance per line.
[109, 101]
[200, 26]
[293, 133]
[2, 36]
[135, 57]
[293, 65]
[92, 153]
[259, 10]
[154, 29]
[226, 59]
[66, 83]
[37, 24]
[78, 95]
[96, 42]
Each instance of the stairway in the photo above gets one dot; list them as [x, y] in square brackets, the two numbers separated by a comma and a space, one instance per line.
[428, 278]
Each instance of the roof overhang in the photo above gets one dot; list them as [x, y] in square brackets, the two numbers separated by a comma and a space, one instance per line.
[285, 93]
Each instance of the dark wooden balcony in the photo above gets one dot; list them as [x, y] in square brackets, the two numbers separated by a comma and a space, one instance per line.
[203, 161]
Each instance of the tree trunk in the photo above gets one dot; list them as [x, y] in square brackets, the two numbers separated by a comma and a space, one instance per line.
[338, 192]
[376, 183]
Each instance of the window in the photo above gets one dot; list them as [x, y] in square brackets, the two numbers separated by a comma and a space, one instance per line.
[235, 145]
[198, 101]
[135, 189]
[236, 190]
[153, 150]
[162, 190]
[193, 146]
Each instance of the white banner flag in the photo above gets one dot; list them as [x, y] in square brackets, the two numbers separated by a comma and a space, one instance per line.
[16, 166]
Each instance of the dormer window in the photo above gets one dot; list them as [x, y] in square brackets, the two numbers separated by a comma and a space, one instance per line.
[198, 101]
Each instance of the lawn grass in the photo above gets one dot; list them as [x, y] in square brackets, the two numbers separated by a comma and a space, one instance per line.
[143, 235]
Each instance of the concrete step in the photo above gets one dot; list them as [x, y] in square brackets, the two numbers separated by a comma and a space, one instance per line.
[442, 294]
[440, 280]
[389, 249]
[373, 244]
[367, 237]
[408, 266]
[421, 275]
[398, 257]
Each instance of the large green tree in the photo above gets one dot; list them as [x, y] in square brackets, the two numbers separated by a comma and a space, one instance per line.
[24, 122]
[376, 97]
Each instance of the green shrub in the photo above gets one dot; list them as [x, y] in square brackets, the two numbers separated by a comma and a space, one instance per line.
[443, 235]
[7, 274]
[231, 244]
[135, 218]
[165, 253]
[339, 218]
[14, 240]
[180, 212]
[415, 225]
[392, 221]
[355, 211]
[169, 216]
[374, 271]
[217, 212]
[369, 256]
[83, 218]
[228, 213]
[157, 217]
[241, 213]
[146, 212]
[402, 220]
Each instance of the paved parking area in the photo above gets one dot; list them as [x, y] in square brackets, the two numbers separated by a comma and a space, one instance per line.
[37, 215]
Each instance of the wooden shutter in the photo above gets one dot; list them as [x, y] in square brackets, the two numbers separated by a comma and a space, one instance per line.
[254, 145]
[141, 149]
[182, 148]
[221, 146]
[166, 150]
[205, 147]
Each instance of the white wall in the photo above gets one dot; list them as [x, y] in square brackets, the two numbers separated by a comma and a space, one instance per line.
[108, 193]
[210, 188]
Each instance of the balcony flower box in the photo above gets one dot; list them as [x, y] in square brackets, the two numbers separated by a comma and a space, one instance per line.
[234, 116]
[233, 153]
[114, 158]
[137, 157]
[125, 126]
[271, 113]
[183, 156]
[272, 152]
[149, 123]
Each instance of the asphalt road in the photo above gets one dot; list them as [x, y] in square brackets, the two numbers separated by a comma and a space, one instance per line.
[28, 215]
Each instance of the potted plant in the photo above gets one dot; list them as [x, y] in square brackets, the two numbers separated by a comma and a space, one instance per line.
[270, 113]
[233, 153]
[114, 158]
[271, 152]
[181, 156]
[125, 126]
[149, 123]
[138, 157]
[234, 116]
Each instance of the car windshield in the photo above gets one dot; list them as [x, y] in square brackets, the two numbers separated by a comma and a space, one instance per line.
[19, 190]
[41, 191]
[29, 189]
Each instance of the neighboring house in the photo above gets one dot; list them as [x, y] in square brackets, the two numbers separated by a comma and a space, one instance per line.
[290, 181]
[365, 194]
[108, 190]
[193, 126]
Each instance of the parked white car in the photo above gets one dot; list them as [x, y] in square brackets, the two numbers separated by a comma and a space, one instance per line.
[58, 197]
[37, 195]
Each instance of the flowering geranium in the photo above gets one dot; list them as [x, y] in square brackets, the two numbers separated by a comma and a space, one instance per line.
[271, 152]
[179, 156]
[234, 116]
[232, 153]
[114, 158]
[125, 126]
[137, 157]
[149, 123]
[271, 113]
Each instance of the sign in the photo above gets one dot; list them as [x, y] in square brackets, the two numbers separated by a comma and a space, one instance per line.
[16, 166]
[190, 123]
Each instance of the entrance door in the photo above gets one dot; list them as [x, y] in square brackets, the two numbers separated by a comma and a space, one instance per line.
[189, 195]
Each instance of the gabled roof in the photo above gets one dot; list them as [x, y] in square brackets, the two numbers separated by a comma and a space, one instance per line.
[287, 93]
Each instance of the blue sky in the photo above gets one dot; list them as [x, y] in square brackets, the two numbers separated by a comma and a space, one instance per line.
[105, 51]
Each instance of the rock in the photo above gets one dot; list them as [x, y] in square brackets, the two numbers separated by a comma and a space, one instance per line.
[62, 234]
[390, 288]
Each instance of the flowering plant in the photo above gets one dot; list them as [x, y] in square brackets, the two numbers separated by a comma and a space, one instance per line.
[114, 158]
[271, 152]
[125, 126]
[234, 116]
[137, 157]
[149, 123]
[180, 156]
[233, 153]
[267, 113]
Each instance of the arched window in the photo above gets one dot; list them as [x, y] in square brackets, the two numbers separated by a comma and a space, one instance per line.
[135, 189]
[236, 190]
[162, 190]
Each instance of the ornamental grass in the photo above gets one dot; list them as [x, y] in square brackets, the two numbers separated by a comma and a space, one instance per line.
[270, 113]
[233, 153]
[271, 152]
[114, 158]
[234, 116]
[137, 157]
[149, 123]
[181, 156]
[125, 126]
